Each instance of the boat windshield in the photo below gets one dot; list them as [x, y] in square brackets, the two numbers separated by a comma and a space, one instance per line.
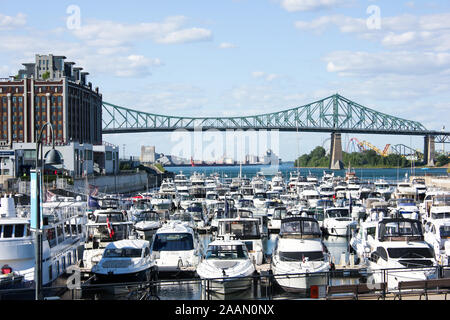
[304, 227]
[400, 229]
[440, 215]
[173, 242]
[301, 256]
[241, 229]
[147, 216]
[441, 201]
[279, 213]
[122, 253]
[224, 252]
[142, 205]
[400, 253]
[112, 217]
[444, 231]
[338, 213]
[211, 196]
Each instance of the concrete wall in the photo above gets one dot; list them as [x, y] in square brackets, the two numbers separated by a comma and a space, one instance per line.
[123, 183]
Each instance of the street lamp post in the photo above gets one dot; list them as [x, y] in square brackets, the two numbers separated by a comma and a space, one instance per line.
[52, 158]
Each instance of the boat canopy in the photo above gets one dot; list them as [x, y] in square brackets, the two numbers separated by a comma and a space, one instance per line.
[400, 230]
[302, 227]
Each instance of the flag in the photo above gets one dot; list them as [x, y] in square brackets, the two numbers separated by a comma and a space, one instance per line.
[110, 228]
[350, 204]
[93, 190]
[93, 203]
[227, 209]
[51, 196]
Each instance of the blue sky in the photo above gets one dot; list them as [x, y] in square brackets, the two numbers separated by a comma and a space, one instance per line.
[243, 57]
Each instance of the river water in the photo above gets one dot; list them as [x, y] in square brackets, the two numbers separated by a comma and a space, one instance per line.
[364, 174]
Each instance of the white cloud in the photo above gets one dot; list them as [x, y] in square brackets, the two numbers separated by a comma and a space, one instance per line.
[186, 35]
[227, 45]
[266, 76]
[430, 31]
[364, 64]
[8, 22]
[169, 31]
[312, 5]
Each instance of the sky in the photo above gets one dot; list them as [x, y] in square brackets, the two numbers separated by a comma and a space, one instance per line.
[245, 57]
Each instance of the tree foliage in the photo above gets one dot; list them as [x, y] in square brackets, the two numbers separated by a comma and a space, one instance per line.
[366, 159]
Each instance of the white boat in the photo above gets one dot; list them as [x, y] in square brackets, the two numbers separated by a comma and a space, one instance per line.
[338, 222]
[181, 183]
[126, 261]
[326, 191]
[162, 201]
[311, 195]
[299, 258]
[63, 239]
[405, 208]
[146, 223]
[400, 253]
[384, 188]
[168, 186]
[274, 224]
[247, 230]
[227, 266]
[259, 199]
[437, 235]
[104, 227]
[175, 248]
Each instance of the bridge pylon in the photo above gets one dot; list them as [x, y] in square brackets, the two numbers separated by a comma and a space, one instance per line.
[336, 158]
[429, 151]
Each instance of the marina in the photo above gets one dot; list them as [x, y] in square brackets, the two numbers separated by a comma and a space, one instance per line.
[285, 245]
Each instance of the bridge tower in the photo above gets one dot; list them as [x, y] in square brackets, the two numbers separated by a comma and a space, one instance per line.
[336, 152]
[429, 152]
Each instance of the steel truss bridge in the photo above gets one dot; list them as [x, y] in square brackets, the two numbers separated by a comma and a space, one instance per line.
[333, 114]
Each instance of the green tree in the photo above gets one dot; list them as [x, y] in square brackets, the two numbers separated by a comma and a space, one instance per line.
[46, 75]
[442, 160]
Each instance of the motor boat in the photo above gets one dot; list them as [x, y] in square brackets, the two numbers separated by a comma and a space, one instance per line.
[437, 235]
[420, 186]
[326, 191]
[182, 183]
[310, 195]
[406, 208]
[197, 211]
[259, 199]
[104, 226]
[399, 253]
[146, 223]
[227, 266]
[338, 222]
[163, 201]
[299, 258]
[168, 186]
[175, 248]
[63, 237]
[184, 218]
[384, 188]
[247, 230]
[126, 261]
[279, 214]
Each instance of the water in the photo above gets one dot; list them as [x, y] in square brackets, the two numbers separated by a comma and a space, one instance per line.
[365, 174]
